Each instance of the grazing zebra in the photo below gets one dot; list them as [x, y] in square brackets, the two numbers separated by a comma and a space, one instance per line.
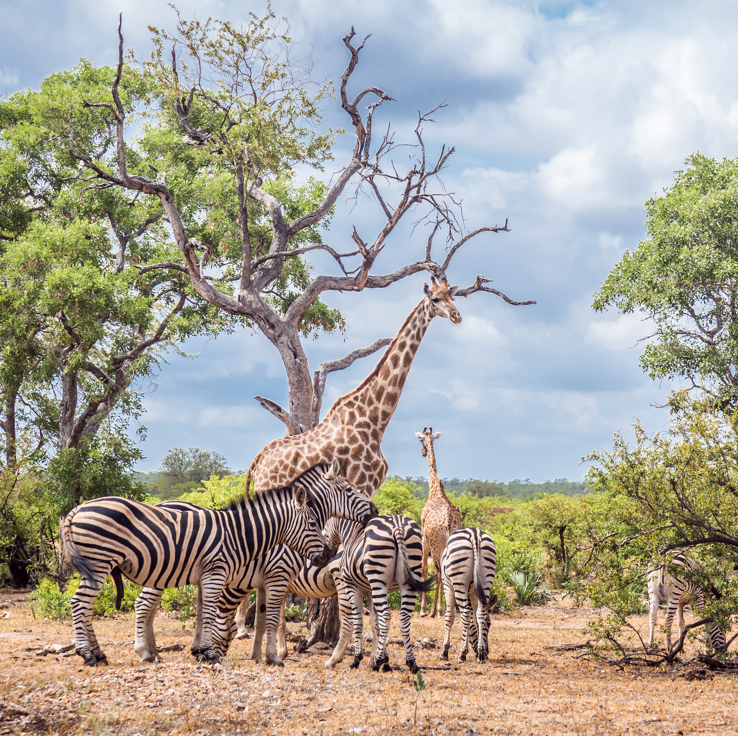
[385, 555]
[677, 592]
[331, 496]
[163, 547]
[468, 567]
[279, 572]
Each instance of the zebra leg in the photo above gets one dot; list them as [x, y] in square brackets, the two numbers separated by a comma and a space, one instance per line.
[375, 627]
[436, 589]
[282, 631]
[345, 610]
[653, 616]
[196, 646]
[466, 614]
[424, 576]
[381, 658]
[357, 611]
[276, 596]
[480, 630]
[407, 605]
[146, 605]
[680, 617]
[212, 584]
[85, 641]
[450, 606]
[259, 624]
[241, 618]
[671, 607]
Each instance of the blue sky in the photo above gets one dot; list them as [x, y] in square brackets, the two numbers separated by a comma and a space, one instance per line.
[566, 118]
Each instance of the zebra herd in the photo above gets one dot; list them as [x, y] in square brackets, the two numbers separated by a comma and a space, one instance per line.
[264, 542]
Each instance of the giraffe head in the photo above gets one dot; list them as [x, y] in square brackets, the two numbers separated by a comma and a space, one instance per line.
[440, 297]
[426, 438]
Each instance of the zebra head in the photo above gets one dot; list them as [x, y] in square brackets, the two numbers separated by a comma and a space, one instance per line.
[331, 495]
[303, 532]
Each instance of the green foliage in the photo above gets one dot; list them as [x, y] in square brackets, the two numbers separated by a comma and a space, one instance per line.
[528, 589]
[396, 496]
[182, 471]
[295, 612]
[685, 276]
[52, 602]
[515, 489]
[671, 491]
[217, 493]
[183, 600]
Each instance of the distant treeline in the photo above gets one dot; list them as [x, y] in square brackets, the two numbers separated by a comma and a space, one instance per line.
[514, 489]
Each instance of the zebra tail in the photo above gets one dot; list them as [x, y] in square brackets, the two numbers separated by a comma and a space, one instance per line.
[70, 552]
[422, 586]
[115, 574]
[479, 587]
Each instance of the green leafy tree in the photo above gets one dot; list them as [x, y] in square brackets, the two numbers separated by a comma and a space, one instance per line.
[183, 470]
[672, 491]
[402, 497]
[684, 277]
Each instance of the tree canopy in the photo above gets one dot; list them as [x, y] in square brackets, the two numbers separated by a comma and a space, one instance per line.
[684, 277]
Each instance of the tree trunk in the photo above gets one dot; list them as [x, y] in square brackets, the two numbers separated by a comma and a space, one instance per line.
[299, 378]
[324, 623]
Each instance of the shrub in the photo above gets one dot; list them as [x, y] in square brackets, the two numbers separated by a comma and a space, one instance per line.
[183, 600]
[528, 589]
[52, 602]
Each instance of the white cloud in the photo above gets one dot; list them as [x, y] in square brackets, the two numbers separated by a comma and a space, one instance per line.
[573, 178]
[624, 333]
[8, 78]
[608, 241]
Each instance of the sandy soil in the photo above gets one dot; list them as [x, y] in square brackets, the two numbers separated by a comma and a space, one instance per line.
[525, 688]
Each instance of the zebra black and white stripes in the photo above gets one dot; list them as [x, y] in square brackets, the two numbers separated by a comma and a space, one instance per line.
[330, 495]
[164, 547]
[677, 592]
[385, 555]
[468, 567]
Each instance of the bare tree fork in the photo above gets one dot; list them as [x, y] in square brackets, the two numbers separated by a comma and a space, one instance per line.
[417, 187]
[320, 376]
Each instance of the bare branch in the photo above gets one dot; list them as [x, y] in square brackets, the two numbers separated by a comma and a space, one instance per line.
[320, 376]
[166, 265]
[293, 426]
[479, 286]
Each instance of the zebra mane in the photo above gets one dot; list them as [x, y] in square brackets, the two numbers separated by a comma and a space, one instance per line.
[240, 504]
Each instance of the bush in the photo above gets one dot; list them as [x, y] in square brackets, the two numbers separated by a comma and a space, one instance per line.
[53, 603]
[528, 589]
[183, 600]
[396, 496]
[295, 612]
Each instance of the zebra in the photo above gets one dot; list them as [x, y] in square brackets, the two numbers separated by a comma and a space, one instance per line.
[279, 572]
[163, 547]
[331, 496]
[677, 592]
[468, 568]
[385, 555]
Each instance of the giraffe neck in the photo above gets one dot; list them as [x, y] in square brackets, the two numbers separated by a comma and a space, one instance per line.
[435, 487]
[378, 395]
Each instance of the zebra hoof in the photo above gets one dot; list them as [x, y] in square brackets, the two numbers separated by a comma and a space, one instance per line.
[209, 656]
[197, 652]
[356, 662]
[412, 665]
[101, 658]
[482, 655]
[462, 657]
[386, 667]
[90, 659]
[276, 662]
[444, 654]
[244, 635]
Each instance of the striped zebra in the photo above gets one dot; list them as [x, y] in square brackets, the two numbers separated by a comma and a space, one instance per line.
[279, 572]
[468, 566]
[331, 496]
[677, 592]
[385, 555]
[163, 547]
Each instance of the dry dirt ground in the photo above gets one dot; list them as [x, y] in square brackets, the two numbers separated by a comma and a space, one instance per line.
[526, 687]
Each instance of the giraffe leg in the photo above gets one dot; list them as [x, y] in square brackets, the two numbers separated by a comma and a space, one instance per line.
[241, 617]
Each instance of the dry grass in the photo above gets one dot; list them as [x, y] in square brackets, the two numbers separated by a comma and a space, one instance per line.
[525, 688]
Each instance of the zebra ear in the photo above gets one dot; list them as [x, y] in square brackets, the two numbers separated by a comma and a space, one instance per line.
[301, 497]
[334, 471]
[436, 435]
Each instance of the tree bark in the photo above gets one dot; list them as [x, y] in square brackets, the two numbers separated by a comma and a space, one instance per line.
[324, 623]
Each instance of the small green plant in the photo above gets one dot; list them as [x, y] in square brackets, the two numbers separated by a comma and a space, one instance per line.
[295, 612]
[183, 600]
[419, 683]
[528, 589]
[53, 603]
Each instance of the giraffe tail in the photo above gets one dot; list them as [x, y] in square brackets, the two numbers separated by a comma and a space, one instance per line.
[480, 588]
[249, 474]
[413, 582]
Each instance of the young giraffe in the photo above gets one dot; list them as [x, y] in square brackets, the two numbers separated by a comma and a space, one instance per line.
[353, 428]
[439, 519]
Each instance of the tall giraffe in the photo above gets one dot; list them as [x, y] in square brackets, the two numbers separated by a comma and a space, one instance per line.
[352, 430]
[439, 519]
